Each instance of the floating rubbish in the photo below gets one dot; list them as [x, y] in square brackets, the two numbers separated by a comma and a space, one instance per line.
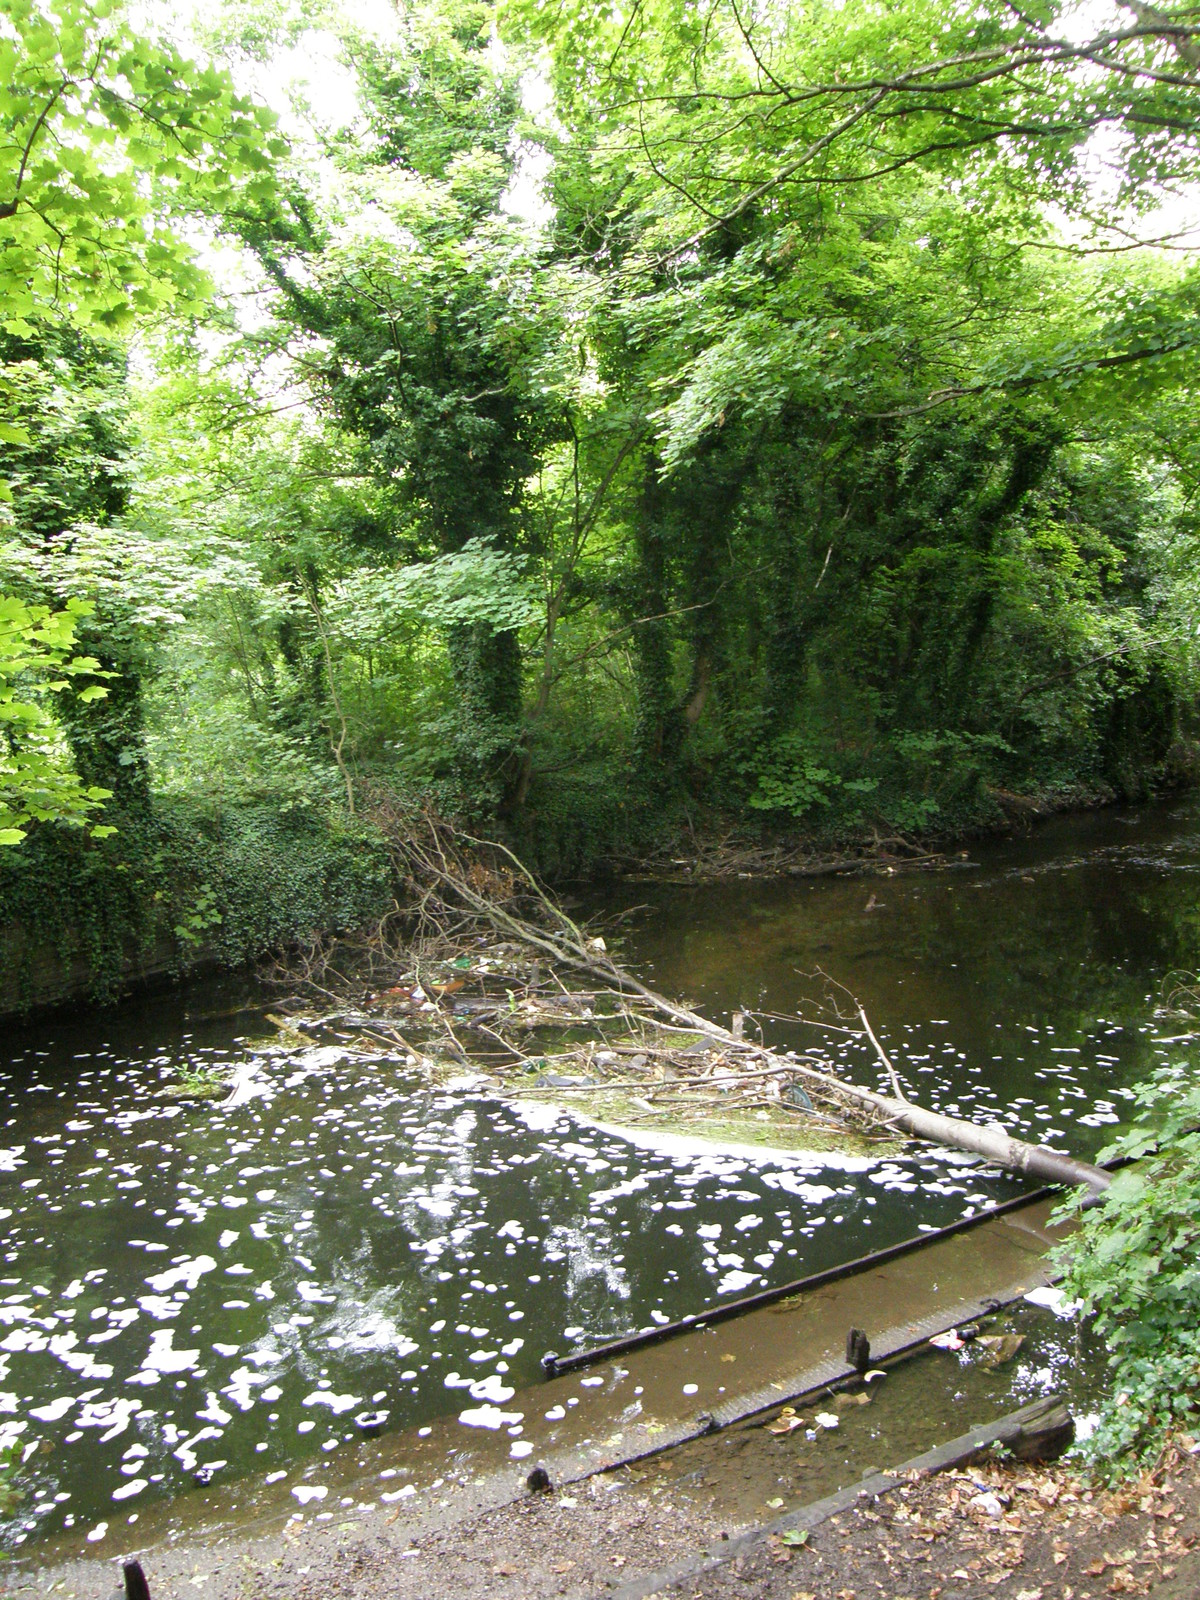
[827, 1419]
[876, 1372]
[1053, 1300]
[786, 1422]
[950, 1340]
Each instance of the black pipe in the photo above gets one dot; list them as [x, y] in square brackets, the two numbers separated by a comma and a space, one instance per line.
[553, 1365]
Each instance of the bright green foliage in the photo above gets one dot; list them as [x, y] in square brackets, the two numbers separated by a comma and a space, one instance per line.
[831, 491]
[746, 432]
[107, 139]
[107, 142]
[37, 662]
[1134, 1264]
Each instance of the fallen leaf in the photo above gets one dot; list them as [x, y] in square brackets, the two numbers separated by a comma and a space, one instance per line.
[999, 1347]
[776, 1503]
[503, 1570]
[794, 1537]
[1059, 1557]
[827, 1419]
[728, 1358]
[1124, 1582]
[785, 1424]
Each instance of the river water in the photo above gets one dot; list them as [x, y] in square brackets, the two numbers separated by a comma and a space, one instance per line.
[193, 1292]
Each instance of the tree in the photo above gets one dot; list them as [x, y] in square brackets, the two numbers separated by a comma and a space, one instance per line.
[107, 141]
[36, 662]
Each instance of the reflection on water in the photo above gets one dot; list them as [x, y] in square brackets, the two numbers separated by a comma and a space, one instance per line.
[197, 1291]
[1020, 987]
[194, 1290]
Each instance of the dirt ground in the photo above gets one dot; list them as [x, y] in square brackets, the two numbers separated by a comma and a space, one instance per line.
[1007, 1532]
[1003, 1531]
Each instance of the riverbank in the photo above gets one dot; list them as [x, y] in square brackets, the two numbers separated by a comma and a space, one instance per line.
[987, 1531]
[1002, 1530]
[189, 888]
[701, 1523]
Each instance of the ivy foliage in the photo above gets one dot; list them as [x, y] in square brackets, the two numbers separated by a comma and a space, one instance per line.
[611, 416]
[183, 883]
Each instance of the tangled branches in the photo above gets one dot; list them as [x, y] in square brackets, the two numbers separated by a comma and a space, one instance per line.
[489, 958]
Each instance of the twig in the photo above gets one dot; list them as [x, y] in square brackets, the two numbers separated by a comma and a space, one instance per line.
[897, 1088]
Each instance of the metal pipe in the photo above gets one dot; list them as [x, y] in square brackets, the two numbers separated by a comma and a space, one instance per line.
[553, 1365]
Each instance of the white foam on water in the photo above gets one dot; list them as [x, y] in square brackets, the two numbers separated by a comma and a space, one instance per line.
[489, 1417]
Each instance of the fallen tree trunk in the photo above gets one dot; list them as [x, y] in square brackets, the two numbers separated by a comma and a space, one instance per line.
[992, 1141]
[435, 860]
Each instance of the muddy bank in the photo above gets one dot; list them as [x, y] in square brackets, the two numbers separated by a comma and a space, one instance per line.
[991, 1529]
[617, 1530]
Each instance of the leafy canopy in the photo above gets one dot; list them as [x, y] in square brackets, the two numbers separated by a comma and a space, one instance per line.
[108, 140]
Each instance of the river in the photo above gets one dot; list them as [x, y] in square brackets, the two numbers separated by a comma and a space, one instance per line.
[195, 1292]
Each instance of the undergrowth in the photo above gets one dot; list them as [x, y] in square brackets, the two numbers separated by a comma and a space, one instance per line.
[223, 885]
[1134, 1264]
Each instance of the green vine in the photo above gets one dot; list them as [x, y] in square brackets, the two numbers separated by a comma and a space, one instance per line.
[182, 884]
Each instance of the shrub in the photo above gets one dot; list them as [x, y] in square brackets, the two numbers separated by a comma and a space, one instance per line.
[1135, 1266]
